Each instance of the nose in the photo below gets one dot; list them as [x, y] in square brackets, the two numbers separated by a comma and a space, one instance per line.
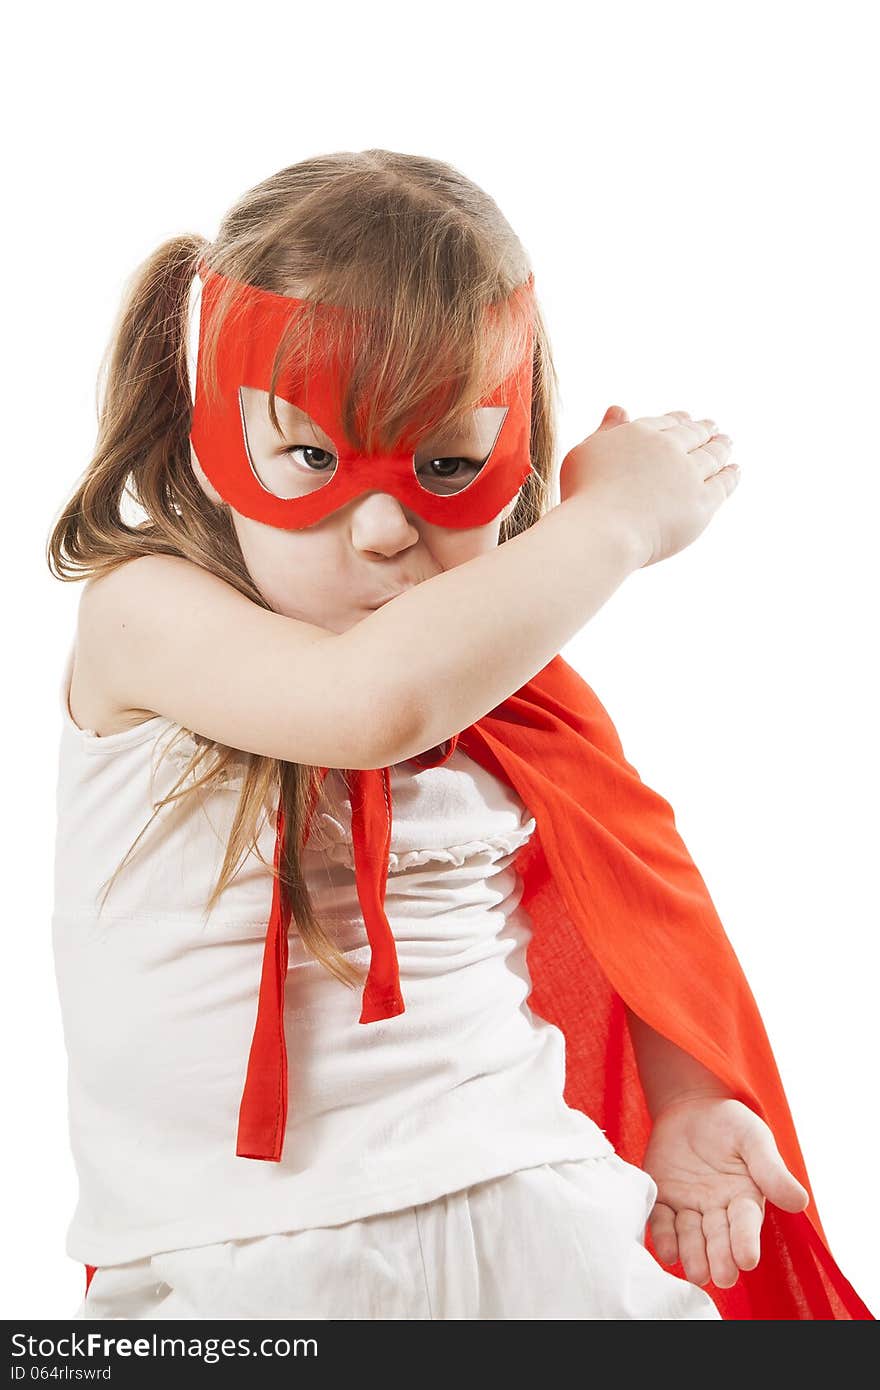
[380, 523]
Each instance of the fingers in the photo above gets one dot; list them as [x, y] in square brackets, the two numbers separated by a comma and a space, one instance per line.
[663, 422]
[662, 1223]
[692, 1245]
[704, 444]
[768, 1172]
[690, 434]
[715, 1244]
[745, 1217]
[720, 1256]
[702, 440]
[614, 415]
[696, 434]
[714, 456]
[679, 420]
[718, 472]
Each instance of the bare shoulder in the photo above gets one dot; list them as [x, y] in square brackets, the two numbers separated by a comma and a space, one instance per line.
[106, 602]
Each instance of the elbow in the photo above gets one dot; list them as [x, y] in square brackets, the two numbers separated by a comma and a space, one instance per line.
[384, 725]
[394, 725]
[378, 716]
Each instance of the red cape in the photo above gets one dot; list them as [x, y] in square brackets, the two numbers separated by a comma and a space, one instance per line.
[620, 915]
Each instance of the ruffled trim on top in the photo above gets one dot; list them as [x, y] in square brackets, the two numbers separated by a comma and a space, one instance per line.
[496, 845]
[329, 838]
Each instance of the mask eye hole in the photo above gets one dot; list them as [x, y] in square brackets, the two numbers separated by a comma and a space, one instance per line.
[447, 467]
[299, 461]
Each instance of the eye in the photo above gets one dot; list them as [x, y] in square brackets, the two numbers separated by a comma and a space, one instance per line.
[326, 460]
[456, 471]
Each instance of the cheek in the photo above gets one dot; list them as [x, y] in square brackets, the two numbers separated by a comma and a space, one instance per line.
[454, 547]
[265, 548]
[277, 560]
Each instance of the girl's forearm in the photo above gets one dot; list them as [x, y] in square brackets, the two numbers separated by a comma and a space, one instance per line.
[460, 643]
[666, 1072]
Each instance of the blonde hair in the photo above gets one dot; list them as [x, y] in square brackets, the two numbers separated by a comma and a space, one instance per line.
[418, 252]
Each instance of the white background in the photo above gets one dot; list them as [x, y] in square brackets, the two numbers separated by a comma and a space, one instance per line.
[695, 186]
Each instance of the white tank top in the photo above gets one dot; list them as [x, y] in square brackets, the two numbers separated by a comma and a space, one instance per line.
[158, 1003]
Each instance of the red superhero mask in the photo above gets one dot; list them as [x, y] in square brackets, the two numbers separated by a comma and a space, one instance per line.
[244, 457]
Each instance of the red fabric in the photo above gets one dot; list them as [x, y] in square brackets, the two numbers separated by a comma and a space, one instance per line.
[263, 1111]
[621, 916]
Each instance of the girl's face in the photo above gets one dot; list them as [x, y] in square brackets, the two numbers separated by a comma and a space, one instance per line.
[336, 571]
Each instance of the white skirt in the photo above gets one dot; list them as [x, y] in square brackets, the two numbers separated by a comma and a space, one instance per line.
[556, 1241]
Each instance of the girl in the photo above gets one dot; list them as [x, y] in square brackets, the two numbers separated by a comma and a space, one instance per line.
[317, 734]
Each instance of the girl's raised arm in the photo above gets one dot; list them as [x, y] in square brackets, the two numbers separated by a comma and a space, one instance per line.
[163, 635]
[463, 641]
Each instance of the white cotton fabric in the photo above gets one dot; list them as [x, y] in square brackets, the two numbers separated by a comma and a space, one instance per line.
[159, 999]
[554, 1241]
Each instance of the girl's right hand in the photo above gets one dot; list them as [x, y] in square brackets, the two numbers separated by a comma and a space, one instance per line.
[665, 475]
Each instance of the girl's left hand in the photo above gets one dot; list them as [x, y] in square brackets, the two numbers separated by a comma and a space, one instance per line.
[714, 1162]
